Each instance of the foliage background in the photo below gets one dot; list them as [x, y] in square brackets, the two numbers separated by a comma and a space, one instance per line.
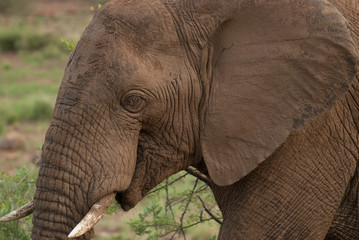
[36, 38]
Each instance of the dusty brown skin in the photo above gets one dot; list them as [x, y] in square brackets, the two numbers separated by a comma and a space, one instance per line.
[260, 95]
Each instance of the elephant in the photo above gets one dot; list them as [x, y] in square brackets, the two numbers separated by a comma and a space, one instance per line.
[261, 96]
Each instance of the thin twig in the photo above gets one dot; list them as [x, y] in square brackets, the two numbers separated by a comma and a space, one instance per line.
[194, 224]
[175, 232]
[181, 198]
[21, 181]
[15, 181]
[209, 212]
[186, 208]
[167, 198]
[160, 188]
[185, 227]
[168, 203]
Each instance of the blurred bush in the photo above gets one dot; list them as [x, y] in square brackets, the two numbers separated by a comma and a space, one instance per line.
[10, 6]
[41, 110]
[30, 110]
[16, 191]
[18, 38]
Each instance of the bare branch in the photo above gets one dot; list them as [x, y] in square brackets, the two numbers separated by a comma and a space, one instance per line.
[208, 211]
[185, 210]
[168, 203]
[198, 175]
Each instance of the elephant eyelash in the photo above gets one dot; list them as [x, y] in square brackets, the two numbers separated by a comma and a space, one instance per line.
[133, 103]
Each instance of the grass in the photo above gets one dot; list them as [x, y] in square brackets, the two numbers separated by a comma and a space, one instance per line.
[28, 86]
[27, 94]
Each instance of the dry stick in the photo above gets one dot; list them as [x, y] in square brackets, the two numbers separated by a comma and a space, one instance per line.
[205, 179]
[173, 235]
[186, 208]
[209, 212]
[167, 199]
[168, 203]
[198, 175]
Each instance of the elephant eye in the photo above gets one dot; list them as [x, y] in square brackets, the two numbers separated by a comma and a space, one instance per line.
[133, 103]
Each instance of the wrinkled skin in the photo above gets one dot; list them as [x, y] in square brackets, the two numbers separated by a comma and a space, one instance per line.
[154, 87]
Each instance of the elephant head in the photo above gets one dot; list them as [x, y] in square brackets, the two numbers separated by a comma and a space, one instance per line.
[156, 86]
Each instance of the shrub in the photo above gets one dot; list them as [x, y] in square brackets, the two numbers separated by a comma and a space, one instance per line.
[41, 110]
[19, 39]
[26, 110]
[177, 206]
[9, 39]
[32, 41]
[15, 191]
[70, 44]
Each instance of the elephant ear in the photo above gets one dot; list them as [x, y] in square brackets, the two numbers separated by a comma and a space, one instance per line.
[275, 66]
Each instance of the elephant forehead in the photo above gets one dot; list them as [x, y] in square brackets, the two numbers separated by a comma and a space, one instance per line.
[124, 48]
[117, 66]
[141, 24]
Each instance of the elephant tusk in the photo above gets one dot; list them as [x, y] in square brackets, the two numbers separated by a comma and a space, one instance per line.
[21, 212]
[93, 216]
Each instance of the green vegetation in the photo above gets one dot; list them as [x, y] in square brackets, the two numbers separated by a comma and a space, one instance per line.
[175, 207]
[70, 44]
[16, 191]
[27, 92]
[21, 37]
[33, 46]
[18, 39]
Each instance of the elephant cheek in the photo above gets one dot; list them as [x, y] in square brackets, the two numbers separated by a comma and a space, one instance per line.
[75, 174]
[124, 168]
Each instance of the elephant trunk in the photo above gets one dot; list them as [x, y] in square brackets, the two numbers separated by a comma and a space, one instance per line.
[60, 199]
[76, 172]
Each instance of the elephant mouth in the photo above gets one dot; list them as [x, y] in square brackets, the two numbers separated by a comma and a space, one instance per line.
[93, 216]
[100, 207]
[128, 200]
